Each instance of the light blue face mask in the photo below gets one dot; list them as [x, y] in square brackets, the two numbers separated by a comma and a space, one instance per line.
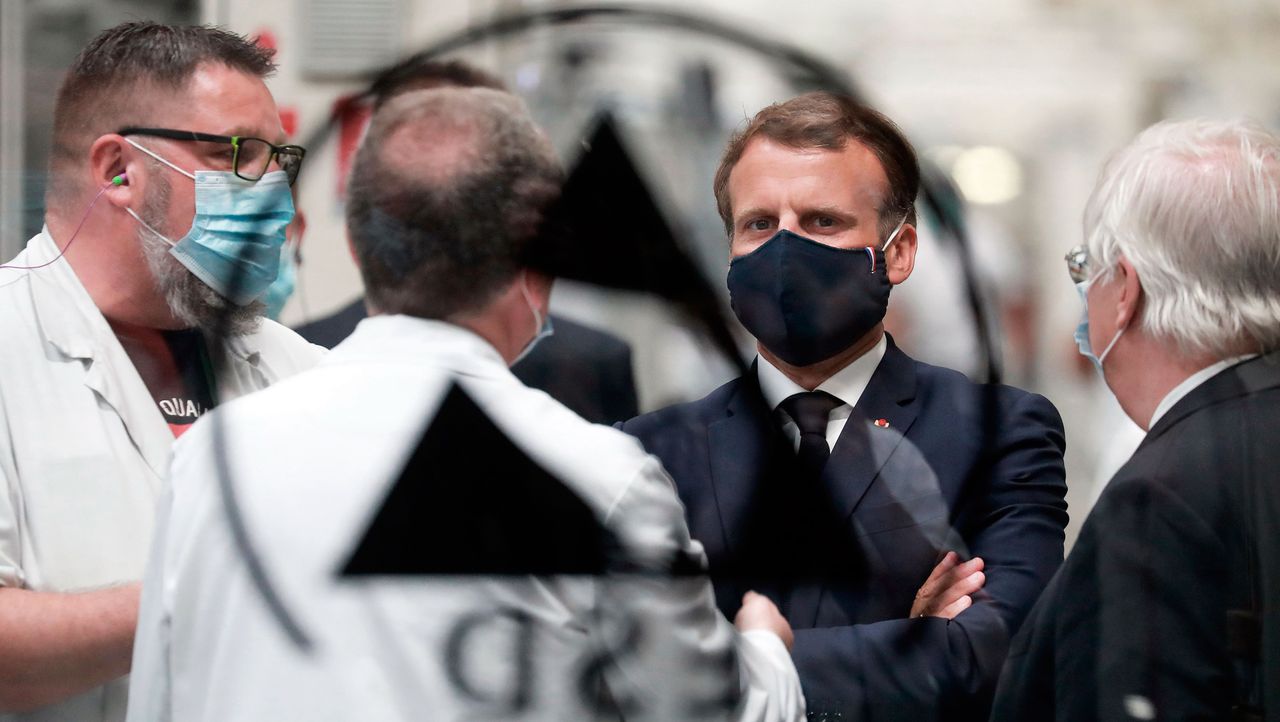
[237, 232]
[545, 329]
[1082, 330]
[281, 289]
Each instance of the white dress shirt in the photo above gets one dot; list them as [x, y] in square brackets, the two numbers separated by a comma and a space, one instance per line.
[847, 384]
[84, 450]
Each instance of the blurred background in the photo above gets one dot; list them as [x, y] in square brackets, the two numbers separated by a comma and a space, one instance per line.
[1016, 103]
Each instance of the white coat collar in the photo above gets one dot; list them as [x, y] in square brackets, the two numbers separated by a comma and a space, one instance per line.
[74, 326]
[410, 339]
[68, 317]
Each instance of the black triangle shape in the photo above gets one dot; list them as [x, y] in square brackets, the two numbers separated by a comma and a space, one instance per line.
[470, 502]
[606, 228]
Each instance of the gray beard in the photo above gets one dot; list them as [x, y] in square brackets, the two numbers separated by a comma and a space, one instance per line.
[190, 301]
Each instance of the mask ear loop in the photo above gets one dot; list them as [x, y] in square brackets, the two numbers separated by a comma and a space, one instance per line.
[118, 180]
[1114, 339]
[538, 318]
[894, 236]
[155, 155]
[871, 252]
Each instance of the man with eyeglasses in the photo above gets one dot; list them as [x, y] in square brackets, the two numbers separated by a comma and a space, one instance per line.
[1166, 607]
[133, 312]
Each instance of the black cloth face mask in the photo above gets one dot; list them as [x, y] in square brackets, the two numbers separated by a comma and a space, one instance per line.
[805, 301]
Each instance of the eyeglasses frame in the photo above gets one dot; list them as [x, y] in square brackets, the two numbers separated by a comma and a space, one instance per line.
[1078, 263]
[234, 141]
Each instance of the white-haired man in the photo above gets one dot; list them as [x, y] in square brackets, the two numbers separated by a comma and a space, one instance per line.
[1158, 611]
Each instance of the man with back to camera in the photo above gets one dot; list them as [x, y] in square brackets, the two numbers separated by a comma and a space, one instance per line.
[1158, 613]
[584, 368]
[453, 304]
[105, 356]
[817, 196]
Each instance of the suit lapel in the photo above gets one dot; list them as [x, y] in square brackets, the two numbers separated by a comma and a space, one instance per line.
[742, 447]
[866, 442]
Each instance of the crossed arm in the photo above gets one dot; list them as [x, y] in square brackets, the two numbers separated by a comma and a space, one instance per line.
[945, 665]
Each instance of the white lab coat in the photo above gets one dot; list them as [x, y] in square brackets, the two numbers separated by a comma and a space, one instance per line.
[83, 449]
[312, 460]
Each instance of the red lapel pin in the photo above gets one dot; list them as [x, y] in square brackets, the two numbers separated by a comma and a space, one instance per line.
[882, 423]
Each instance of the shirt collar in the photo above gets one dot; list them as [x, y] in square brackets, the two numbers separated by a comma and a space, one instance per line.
[847, 384]
[410, 339]
[1191, 382]
[67, 315]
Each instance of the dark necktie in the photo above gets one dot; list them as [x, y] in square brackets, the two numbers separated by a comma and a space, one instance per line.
[810, 410]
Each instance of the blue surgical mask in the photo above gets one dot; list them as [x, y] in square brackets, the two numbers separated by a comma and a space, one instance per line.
[1082, 330]
[278, 293]
[237, 232]
[542, 323]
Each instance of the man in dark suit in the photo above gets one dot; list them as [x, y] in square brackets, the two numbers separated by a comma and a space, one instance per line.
[1159, 612]
[583, 368]
[837, 474]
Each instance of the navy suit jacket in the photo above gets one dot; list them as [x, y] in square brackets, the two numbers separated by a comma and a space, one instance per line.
[928, 462]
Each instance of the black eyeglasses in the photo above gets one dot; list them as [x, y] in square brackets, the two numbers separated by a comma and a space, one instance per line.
[1078, 264]
[250, 157]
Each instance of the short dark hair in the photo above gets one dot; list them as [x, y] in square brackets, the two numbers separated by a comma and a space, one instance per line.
[828, 121]
[419, 72]
[100, 93]
[447, 189]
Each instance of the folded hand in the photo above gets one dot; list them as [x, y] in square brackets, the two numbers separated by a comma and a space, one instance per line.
[949, 589]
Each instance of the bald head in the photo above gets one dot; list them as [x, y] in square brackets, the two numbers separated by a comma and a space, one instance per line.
[438, 136]
[447, 188]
